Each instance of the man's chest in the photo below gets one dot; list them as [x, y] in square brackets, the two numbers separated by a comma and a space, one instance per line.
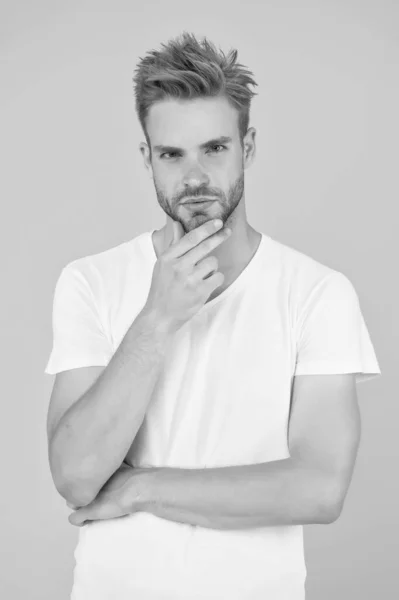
[223, 395]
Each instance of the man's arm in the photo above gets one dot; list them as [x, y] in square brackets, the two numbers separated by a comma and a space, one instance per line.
[309, 487]
[280, 492]
[93, 436]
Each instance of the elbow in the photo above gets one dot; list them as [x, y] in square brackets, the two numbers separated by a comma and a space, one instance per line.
[74, 487]
[73, 499]
[332, 506]
[330, 515]
[78, 488]
[75, 491]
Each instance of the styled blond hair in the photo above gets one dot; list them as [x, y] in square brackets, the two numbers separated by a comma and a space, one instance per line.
[187, 68]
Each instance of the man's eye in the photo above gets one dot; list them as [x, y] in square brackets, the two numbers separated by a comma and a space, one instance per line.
[211, 147]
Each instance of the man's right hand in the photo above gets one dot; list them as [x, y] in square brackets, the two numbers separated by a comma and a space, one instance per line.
[184, 276]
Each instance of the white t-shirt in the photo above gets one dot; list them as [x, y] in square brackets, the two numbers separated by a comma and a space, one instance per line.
[222, 399]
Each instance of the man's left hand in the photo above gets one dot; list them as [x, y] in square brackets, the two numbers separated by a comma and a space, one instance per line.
[122, 495]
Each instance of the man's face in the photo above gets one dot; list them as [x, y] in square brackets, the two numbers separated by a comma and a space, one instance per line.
[192, 158]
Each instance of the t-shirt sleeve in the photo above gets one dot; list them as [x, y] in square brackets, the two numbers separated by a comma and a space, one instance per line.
[332, 335]
[78, 336]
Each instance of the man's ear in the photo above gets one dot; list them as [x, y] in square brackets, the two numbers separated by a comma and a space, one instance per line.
[249, 147]
[145, 151]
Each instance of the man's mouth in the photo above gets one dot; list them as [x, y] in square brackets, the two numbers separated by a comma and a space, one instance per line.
[198, 200]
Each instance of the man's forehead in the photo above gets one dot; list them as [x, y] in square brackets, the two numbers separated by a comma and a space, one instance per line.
[203, 113]
[190, 130]
[182, 124]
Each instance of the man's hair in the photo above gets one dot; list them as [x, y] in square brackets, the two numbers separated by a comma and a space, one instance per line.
[187, 69]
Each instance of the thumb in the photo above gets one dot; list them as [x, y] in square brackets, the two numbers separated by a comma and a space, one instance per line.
[178, 232]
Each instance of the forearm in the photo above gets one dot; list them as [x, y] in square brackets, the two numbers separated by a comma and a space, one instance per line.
[267, 494]
[95, 434]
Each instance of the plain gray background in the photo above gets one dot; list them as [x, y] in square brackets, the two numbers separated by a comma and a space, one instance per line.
[73, 183]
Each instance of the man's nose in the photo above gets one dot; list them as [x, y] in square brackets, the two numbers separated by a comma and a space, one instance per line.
[195, 177]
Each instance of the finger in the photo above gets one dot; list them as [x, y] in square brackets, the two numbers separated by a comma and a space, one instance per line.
[192, 239]
[77, 518]
[178, 232]
[201, 251]
[95, 511]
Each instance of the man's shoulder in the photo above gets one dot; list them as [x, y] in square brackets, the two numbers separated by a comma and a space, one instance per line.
[105, 267]
[298, 261]
[301, 272]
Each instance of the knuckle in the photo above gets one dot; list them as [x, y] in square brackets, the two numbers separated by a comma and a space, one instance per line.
[191, 282]
[178, 268]
[213, 262]
[194, 236]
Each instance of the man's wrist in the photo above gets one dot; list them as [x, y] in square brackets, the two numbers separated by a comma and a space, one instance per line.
[158, 322]
[142, 494]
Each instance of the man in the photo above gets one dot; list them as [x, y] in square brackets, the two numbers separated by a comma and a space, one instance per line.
[204, 407]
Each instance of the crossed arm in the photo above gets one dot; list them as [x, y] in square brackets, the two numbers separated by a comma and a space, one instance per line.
[308, 487]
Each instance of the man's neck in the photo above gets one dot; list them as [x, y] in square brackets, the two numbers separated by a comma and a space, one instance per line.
[233, 254]
[232, 260]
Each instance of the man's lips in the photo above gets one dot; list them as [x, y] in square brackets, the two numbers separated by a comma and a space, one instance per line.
[201, 199]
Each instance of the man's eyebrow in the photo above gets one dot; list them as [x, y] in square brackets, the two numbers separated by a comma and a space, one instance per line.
[221, 140]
